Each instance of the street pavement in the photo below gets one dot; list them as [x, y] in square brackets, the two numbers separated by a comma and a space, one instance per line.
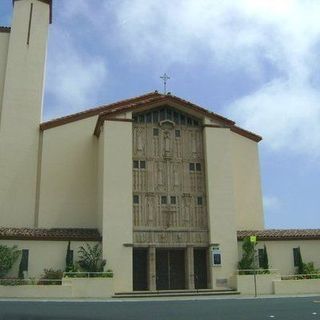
[284, 308]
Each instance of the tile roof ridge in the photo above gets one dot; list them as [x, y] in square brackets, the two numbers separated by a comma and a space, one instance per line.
[91, 111]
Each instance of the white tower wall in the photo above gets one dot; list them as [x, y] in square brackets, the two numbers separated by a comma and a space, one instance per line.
[21, 112]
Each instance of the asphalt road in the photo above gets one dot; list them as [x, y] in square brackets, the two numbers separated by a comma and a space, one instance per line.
[201, 309]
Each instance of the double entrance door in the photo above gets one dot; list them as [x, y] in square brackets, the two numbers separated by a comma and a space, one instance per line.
[171, 270]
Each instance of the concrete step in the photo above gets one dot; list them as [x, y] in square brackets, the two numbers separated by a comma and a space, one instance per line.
[174, 293]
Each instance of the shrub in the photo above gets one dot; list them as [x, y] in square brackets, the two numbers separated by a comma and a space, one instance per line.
[248, 256]
[265, 260]
[51, 276]
[90, 258]
[12, 281]
[8, 257]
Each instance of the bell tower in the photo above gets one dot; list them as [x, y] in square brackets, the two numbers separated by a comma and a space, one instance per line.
[22, 71]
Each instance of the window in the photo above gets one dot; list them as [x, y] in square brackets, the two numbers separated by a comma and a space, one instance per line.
[183, 119]
[176, 118]
[142, 164]
[139, 164]
[163, 200]
[155, 132]
[135, 164]
[173, 200]
[162, 114]
[141, 118]
[261, 257]
[155, 116]
[199, 201]
[189, 121]
[178, 134]
[149, 117]
[296, 257]
[135, 199]
[195, 167]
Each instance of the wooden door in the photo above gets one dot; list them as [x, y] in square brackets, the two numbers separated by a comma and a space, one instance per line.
[140, 269]
[170, 269]
[200, 268]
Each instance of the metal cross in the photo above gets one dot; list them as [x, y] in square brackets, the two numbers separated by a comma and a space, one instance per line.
[165, 77]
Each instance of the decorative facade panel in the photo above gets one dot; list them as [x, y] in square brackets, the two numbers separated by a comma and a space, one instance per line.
[169, 205]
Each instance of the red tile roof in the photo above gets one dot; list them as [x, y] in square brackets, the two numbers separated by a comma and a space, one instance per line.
[56, 234]
[131, 104]
[281, 234]
[93, 111]
[5, 29]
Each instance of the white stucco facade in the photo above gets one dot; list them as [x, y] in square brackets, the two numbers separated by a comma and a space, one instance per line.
[77, 172]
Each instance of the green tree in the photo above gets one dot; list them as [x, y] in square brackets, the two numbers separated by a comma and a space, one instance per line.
[8, 256]
[300, 262]
[248, 255]
[265, 260]
[69, 259]
[90, 258]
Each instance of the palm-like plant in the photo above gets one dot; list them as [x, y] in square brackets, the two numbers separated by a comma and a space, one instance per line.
[90, 258]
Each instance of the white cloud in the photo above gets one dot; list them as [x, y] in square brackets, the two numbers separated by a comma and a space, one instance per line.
[73, 77]
[262, 39]
[244, 35]
[271, 202]
[287, 115]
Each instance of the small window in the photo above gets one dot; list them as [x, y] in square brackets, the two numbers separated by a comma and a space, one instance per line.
[183, 119]
[198, 166]
[135, 164]
[296, 257]
[149, 117]
[162, 114]
[189, 121]
[173, 200]
[191, 166]
[155, 116]
[163, 200]
[136, 199]
[141, 118]
[199, 201]
[155, 132]
[176, 117]
[178, 134]
[135, 119]
[169, 114]
[195, 123]
[142, 164]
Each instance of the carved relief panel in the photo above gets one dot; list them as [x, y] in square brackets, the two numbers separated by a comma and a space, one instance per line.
[168, 178]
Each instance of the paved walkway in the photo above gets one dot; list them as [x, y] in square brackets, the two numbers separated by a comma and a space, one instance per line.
[202, 308]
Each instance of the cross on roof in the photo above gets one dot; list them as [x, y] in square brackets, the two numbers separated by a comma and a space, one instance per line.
[165, 77]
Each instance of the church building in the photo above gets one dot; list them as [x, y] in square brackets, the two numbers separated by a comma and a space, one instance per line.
[168, 188]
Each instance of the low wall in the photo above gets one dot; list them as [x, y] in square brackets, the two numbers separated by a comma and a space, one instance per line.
[303, 286]
[90, 287]
[245, 283]
[70, 288]
[35, 291]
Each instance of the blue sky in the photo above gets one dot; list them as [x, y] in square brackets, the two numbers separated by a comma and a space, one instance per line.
[254, 61]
